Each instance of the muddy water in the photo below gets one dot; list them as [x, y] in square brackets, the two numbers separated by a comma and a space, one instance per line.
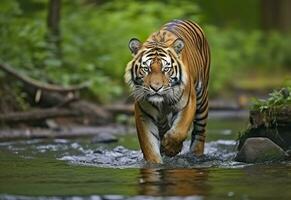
[80, 169]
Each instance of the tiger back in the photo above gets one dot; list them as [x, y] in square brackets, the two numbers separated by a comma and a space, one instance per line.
[169, 76]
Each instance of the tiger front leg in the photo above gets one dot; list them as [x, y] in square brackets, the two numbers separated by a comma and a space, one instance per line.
[199, 131]
[172, 141]
[148, 136]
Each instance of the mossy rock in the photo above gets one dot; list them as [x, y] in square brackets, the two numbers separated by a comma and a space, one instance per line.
[260, 149]
[271, 118]
[273, 123]
[280, 136]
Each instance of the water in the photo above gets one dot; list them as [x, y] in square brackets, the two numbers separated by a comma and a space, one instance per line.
[80, 169]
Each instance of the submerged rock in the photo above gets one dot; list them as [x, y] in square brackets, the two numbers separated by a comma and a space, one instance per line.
[104, 138]
[260, 149]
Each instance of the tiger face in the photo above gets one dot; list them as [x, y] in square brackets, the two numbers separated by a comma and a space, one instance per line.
[155, 73]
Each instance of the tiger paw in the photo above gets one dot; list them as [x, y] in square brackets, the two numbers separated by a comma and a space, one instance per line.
[171, 146]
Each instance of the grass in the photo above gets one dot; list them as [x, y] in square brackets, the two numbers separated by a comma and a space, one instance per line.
[278, 98]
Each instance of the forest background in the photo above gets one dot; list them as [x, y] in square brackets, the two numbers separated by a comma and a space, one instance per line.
[250, 44]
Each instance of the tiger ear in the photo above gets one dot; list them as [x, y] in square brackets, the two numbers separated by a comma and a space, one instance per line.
[178, 45]
[134, 45]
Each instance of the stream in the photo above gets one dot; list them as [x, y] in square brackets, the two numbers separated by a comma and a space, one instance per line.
[76, 169]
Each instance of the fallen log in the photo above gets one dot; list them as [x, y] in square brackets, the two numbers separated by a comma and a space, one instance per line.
[90, 113]
[51, 96]
[40, 85]
[95, 114]
[63, 132]
[36, 115]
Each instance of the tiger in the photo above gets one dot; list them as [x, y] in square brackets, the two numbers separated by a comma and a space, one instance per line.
[168, 76]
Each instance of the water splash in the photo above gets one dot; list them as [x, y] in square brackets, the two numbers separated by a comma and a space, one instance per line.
[218, 153]
[118, 157]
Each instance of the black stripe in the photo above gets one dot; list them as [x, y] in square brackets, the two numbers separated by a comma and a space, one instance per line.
[203, 108]
[202, 102]
[174, 116]
[137, 81]
[198, 132]
[147, 114]
[199, 128]
[180, 71]
[177, 100]
[153, 105]
[200, 124]
[150, 54]
[199, 92]
[199, 100]
[131, 71]
[180, 97]
[136, 66]
[175, 71]
[201, 118]
[156, 136]
[194, 32]
[196, 26]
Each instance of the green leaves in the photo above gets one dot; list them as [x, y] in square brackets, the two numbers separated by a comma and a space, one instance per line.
[277, 98]
[94, 39]
[235, 52]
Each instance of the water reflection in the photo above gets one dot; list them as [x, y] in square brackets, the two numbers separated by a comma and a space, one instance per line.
[181, 182]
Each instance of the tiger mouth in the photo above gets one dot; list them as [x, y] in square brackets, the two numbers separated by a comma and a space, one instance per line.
[155, 95]
[155, 98]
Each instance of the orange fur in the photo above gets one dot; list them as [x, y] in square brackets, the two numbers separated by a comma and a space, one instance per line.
[169, 78]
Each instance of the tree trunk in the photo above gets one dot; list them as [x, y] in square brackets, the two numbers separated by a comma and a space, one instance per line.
[276, 15]
[53, 25]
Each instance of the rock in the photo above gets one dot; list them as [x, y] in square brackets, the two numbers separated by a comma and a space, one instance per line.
[104, 138]
[260, 149]
[113, 197]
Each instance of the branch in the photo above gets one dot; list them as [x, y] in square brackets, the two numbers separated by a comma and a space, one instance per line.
[36, 115]
[89, 112]
[40, 85]
[64, 132]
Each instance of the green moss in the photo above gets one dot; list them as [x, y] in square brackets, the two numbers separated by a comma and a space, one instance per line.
[277, 98]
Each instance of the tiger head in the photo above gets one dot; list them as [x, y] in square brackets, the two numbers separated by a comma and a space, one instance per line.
[156, 72]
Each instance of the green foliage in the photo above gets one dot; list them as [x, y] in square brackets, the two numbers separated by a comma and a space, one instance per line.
[229, 13]
[237, 51]
[95, 38]
[276, 99]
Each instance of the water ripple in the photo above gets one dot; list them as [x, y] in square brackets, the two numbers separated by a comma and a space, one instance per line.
[217, 154]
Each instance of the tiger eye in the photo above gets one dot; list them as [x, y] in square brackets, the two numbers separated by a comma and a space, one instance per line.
[167, 69]
[146, 69]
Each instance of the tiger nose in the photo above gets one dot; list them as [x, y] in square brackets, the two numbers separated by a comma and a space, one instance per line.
[156, 86]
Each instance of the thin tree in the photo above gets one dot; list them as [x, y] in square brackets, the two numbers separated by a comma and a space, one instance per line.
[276, 14]
[53, 26]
